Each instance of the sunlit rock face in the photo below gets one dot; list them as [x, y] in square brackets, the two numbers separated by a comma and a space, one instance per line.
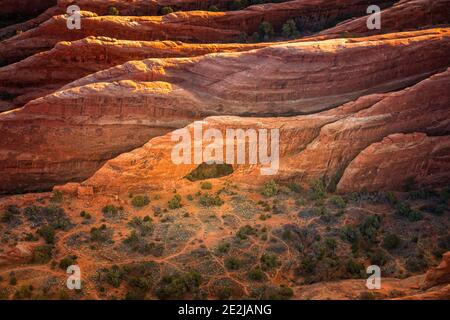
[154, 96]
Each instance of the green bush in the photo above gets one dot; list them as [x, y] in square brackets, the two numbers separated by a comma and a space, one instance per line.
[42, 254]
[268, 261]
[391, 241]
[113, 11]
[110, 210]
[369, 227]
[338, 202]
[206, 185]
[245, 231]
[317, 189]
[256, 274]
[207, 200]
[416, 263]
[101, 235]
[290, 29]
[67, 262]
[355, 268]
[404, 210]
[213, 8]
[166, 10]
[176, 286]
[270, 189]
[224, 247]
[265, 31]
[295, 187]
[175, 202]
[25, 292]
[232, 263]
[48, 233]
[11, 215]
[140, 201]
[57, 197]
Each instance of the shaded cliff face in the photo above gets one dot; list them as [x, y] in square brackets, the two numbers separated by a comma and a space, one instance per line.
[157, 95]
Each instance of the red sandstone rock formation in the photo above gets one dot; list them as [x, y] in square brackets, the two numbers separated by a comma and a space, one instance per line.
[440, 274]
[46, 72]
[386, 164]
[106, 114]
[316, 146]
[195, 26]
[404, 15]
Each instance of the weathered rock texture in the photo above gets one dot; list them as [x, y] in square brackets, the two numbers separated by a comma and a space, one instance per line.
[319, 146]
[67, 135]
[440, 274]
[299, 77]
[404, 15]
[194, 26]
[48, 71]
[414, 156]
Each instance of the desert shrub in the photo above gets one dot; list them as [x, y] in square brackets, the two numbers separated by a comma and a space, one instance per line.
[416, 262]
[349, 233]
[268, 261]
[404, 210]
[176, 286]
[166, 10]
[391, 241]
[235, 5]
[295, 187]
[287, 234]
[290, 29]
[23, 293]
[369, 227]
[270, 189]
[206, 185]
[67, 262]
[223, 247]
[210, 171]
[422, 193]
[338, 202]
[57, 196]
[317, 189]
[42, 254]
[52, 215]
[224, 293]
[101, 235]
[110, 211]
[378, 257]
[144, 226]
[265, 31]
[245, 231]
[113, 11]
[175, 202]
[140, 201]
[207, 200]
[434, 208]
[11, 216]
[281, 293]
[190, 197]
[213, 8]
[48, 233]
[355, 268]
[232, 263]
[256, 274]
